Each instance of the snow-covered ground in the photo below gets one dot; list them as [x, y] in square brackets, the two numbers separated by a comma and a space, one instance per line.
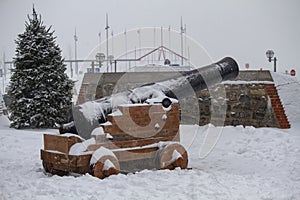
[246, 163]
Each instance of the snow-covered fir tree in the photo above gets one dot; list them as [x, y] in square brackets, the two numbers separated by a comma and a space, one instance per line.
[40, 90]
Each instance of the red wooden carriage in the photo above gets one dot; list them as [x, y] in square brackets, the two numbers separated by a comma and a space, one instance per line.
[135, 137]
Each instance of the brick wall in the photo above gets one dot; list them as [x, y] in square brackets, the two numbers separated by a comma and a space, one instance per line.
[277, 106]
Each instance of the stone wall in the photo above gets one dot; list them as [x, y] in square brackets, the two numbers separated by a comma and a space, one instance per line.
[117, 82]
[250, 100]
[88, 87]
[97, 85]
[244, 104]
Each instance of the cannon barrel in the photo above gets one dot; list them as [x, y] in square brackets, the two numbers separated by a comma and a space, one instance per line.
[202, 78]
[87, 116]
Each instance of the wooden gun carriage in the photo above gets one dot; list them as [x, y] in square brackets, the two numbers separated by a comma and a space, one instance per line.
[135, 137]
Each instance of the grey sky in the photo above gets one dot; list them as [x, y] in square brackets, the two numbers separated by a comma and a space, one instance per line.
[243, 29]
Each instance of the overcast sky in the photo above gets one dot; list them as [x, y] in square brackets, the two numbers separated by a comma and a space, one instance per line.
[243, 29]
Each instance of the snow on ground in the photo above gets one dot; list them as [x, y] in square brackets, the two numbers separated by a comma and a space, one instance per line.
[247, 163]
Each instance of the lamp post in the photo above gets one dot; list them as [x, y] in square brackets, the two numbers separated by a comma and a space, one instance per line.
[76, 63]
[270, 54]
[110, 59]
[99, 35]
[100, 57]
[106, 28]
[182, 31]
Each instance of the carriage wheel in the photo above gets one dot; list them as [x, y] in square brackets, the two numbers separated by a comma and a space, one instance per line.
[105, 166]
[172, 156]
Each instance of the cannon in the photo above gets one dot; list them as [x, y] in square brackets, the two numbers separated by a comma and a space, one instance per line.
[132, 130]
[87, 116]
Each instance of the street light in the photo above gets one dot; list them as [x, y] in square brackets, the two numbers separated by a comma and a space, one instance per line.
[76, 63]
[110, 59]
[100, 57]
[270, 54]
[106, 28]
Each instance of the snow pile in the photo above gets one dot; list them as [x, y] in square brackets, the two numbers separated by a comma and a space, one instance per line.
[98, 132]
[101, 152]
[81, 148]
[90, 109]
[99, 109]
[108, 165]
[70, 135]
[109, 136]
[143, 93]
[175, 156]
[108, 123]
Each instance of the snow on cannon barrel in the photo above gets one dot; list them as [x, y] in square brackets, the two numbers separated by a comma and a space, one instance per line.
[89, 115]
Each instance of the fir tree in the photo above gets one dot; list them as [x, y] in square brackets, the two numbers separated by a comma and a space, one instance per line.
[39, 88]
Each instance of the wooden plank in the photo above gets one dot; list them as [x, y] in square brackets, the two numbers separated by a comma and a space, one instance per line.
[112, 129]
[55, 158]
[132, 143]
[132, 108]
[145, 135]
[80, 170]
[142, 142]
[56, 143]
[120, 136]
[137, 154]
[59, 143]
[61, 167]
[139, 117]
[108, 145]
[68, 163]
[80, 160]
[141, 131]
